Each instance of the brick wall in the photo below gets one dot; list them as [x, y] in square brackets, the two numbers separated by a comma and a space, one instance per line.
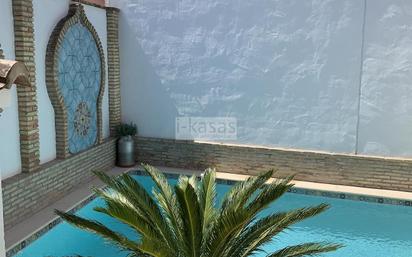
[352, 170]
[25, 194]
[40, 185]
[113, 60]
[27, 102]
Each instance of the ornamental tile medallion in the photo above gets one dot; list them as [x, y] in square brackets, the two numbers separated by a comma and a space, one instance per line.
[78, 68]
[82, 119]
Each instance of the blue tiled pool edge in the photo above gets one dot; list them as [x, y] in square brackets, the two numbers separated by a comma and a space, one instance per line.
[344, 196]
[43, 230]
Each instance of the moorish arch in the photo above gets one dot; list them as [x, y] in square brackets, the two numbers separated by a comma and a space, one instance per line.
[75, 78]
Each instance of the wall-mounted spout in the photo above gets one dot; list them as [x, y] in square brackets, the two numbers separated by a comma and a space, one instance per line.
[11, 72]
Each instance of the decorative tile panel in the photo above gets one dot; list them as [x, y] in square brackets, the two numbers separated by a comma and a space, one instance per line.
[75, 72]
[79, 70]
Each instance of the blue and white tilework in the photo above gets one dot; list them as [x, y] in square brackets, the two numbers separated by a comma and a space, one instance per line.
[79, 69]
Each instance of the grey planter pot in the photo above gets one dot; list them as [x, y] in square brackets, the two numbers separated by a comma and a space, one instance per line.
[125, 152]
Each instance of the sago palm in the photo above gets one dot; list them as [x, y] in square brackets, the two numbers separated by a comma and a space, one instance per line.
[185, 221]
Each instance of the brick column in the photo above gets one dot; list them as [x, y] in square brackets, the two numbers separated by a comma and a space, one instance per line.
[113, 67]
[27, 102]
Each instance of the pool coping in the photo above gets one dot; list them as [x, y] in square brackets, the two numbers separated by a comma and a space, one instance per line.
[16, 248]
[377, 196]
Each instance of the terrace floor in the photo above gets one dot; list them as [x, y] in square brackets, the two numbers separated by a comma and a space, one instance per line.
[42, 218]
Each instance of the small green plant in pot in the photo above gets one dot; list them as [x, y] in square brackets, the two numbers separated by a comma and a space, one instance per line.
[125, 144]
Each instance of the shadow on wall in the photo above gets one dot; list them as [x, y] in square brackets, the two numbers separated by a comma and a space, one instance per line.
[146, 100]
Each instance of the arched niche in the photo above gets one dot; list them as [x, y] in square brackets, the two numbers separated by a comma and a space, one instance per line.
[75, 78]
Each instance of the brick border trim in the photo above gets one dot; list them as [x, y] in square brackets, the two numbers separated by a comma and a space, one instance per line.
[113, 59]
[75, 15]
[340, 169]
[27, 99]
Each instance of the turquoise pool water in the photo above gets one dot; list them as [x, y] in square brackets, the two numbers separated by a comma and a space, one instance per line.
[367, 230]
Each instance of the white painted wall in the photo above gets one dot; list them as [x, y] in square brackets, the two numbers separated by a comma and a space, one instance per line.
[2, 238]
[289, 70]
[47, 13]
[9, 123]
[9, 130]
[386, 102]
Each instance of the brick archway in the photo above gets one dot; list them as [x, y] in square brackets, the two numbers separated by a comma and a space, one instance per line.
[65, 144]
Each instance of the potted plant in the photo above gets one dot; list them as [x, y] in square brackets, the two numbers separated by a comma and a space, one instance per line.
[125, 144]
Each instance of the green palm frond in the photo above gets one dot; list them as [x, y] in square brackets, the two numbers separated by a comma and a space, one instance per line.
[240, 193]
[190, 209]
[167, 200]
[309, 249]
[129, 193]
[185, 221]
[206, 191]
[256, 235]
[96, 227]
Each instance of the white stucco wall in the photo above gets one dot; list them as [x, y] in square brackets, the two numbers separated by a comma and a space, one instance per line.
[287, 70]
[47, 13]
[9, 128]
[290, 71]
[2, 238]
[386, 102]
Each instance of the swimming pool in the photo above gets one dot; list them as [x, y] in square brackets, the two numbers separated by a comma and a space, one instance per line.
[366, 229]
